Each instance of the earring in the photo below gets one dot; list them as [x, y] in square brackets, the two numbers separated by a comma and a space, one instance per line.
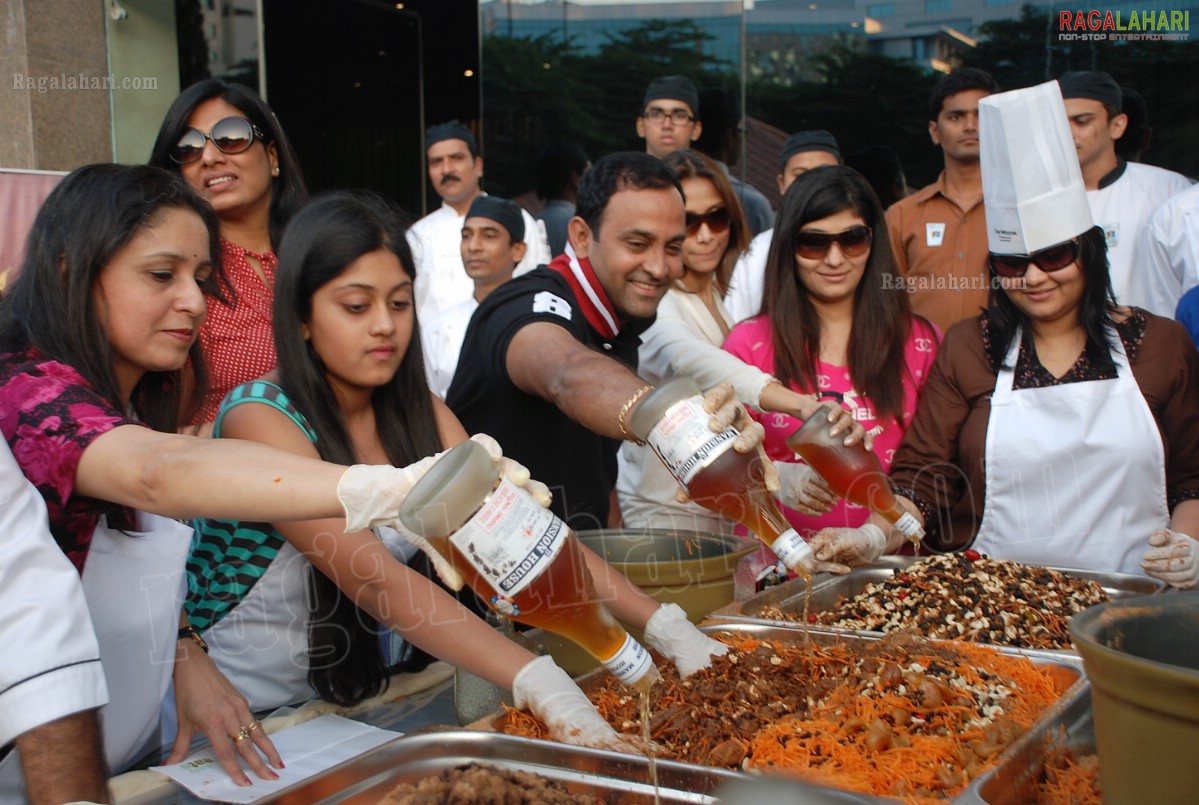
[275, 171]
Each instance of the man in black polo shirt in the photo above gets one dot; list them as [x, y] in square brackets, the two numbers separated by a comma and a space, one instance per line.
[549, 358]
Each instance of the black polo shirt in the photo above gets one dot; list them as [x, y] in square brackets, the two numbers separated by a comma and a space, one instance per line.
[577, 465]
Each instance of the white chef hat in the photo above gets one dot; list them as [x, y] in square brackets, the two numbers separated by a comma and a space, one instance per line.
[1033, 191]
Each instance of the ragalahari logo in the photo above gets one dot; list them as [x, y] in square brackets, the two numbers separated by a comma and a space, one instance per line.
[1096, 25]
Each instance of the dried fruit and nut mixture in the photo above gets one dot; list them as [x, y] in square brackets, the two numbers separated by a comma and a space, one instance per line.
[898, 716]
[966, 596]
[481, 785]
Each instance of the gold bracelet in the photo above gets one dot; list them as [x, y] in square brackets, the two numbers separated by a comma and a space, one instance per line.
[624, 411]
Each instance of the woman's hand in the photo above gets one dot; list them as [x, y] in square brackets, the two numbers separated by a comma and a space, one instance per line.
[1172, 557]
[804, 489]
[841, 419]
[207, 703]
[837, 550]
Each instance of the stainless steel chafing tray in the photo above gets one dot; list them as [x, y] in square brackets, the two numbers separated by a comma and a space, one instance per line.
[1014, 782]
[828, 591]
[612, 777]
[1076, 698]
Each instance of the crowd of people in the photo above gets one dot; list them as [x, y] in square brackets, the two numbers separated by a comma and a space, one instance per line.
[216, 392]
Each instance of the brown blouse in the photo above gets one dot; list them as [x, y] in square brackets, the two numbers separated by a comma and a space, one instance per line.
[940, 464]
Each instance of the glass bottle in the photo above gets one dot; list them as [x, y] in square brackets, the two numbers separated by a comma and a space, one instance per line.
[853, 473]
[521, 559]
[672, 419]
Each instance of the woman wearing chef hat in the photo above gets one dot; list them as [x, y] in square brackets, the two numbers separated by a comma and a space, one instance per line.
[1056, 428]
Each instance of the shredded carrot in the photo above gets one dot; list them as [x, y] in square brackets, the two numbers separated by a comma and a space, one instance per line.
[900, 717]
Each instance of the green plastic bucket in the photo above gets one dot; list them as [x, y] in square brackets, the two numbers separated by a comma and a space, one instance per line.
[1142, 658]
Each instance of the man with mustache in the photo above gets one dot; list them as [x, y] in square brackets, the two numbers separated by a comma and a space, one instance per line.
[455, 172]
[939, 233]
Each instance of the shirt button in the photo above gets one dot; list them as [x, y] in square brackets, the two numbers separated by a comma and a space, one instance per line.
[961, 255]
[607, 346]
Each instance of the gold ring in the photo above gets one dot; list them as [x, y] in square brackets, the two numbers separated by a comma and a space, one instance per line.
[242, 734]
[255, 726]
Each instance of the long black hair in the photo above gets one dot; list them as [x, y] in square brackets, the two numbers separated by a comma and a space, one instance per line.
[882, 317]
[93, 213]
[322, 240]
[288, 191]
[1094, 313]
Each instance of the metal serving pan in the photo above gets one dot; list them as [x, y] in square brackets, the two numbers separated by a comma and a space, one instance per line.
[828, 591]
[1075, 703]
[613, 777]
[1014, 782]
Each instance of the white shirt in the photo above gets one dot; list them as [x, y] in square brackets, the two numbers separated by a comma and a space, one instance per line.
[442, 342]
[744, 299]
[441, 280]
[1168, 255]
[49, 658]
[1123, 209]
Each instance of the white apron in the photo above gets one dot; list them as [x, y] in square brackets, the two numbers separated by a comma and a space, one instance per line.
[1075, 473]
[134, 584]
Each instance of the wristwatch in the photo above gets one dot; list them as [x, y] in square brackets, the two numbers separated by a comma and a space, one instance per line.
[190, 631]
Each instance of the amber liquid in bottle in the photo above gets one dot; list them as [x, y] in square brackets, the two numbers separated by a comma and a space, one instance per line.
[561, 600]
[853, 473]
[544, 567]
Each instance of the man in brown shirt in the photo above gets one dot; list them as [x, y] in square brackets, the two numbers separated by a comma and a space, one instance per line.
[939, 232]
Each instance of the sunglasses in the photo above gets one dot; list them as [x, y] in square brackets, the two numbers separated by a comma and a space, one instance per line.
[1054, 258]
[233, 135]
[853, 242]
[718, 220]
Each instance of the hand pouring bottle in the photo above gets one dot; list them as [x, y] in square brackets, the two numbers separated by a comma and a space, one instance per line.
[520, 558]
[853, 473]
[672, 419]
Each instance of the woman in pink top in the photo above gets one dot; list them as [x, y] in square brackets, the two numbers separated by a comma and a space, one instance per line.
[834, 323]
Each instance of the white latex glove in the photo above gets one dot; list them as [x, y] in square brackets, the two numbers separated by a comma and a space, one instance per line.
[372, 494]
[838, 549]
[676, 638]
[1173, 557]
[803, 489]
[550, 694]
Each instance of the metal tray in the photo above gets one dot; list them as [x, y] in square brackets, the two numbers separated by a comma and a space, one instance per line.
[1076, 699]
[1013, 783]
[828, 591]
[613, 777]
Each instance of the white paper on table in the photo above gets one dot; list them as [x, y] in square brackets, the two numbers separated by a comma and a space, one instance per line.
[307, 749]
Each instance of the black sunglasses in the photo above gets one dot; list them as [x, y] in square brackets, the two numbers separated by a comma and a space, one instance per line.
[1053, 258]
[853, 242]
[233, 135]
[718, 220]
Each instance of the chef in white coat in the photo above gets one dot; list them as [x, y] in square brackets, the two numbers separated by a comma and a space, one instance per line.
[1056, 428]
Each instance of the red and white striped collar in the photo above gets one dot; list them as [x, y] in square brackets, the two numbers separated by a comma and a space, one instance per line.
[590, 295]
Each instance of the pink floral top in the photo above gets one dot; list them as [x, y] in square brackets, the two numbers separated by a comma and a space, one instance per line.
[49, 415]
[751, 342]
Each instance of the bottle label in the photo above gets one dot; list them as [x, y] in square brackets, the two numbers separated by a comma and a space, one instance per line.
[630, 662]
[909, 526]
[511, 540]
[685, 443]
[792, 550]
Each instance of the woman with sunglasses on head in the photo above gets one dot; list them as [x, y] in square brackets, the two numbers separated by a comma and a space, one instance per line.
[833, 325]
[227, 143]
[1056, 428]
[685, 339]
[99, 364]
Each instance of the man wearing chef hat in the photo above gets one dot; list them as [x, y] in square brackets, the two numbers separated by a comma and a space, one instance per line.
[1055, 428]
[1122, 195]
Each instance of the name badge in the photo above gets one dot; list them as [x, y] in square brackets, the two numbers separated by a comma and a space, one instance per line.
[1111, 233]
[934, 234]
